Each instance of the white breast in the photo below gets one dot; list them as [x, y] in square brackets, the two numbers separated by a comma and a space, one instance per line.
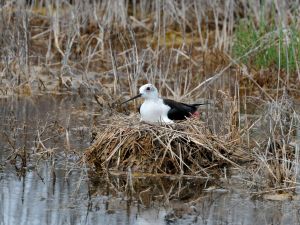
[154, 111]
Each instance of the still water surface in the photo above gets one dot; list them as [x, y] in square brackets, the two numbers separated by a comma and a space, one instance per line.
[57, 190]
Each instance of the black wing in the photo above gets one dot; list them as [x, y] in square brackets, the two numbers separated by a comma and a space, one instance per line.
[179, 111]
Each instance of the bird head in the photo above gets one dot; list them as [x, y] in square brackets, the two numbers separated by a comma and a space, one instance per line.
[147, 91]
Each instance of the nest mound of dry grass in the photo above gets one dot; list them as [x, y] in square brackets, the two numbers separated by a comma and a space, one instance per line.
[187, 147]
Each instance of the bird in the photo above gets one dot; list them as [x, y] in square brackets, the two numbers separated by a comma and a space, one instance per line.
[160, 110]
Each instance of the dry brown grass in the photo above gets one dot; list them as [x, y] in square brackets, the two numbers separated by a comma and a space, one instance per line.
[276, 150]
[188, 147]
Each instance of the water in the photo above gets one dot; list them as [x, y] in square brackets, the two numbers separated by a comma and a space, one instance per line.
[58, 190]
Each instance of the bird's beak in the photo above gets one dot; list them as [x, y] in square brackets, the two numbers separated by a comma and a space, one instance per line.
[137, 96]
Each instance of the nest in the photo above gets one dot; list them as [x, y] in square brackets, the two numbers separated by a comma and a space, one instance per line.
[187, 147]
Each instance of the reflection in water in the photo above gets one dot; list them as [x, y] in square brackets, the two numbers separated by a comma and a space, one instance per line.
[36, 199]
[55, 191]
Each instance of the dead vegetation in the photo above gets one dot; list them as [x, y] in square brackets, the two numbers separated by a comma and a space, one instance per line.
[63, 46]
[188, 147]
[277, 149]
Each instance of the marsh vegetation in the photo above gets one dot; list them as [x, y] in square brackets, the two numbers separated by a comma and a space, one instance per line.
[66, 66]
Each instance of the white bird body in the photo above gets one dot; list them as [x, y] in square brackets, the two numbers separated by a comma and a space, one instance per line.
[155, 111]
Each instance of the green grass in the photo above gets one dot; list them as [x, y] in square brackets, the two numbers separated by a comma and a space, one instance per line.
[266, 46]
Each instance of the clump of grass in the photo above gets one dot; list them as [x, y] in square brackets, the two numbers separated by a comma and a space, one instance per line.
[267, 46]
[275, 154]
[184, 148]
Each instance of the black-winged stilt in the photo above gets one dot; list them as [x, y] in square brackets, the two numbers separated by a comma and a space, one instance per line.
[159, 110]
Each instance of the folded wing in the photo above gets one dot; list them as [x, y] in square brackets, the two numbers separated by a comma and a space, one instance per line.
[179, 111]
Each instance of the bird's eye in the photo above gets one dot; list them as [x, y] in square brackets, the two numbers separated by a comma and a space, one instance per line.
[148, 88]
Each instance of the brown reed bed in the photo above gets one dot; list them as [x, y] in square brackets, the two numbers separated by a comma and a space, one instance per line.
[63, 46]
[188, 147]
